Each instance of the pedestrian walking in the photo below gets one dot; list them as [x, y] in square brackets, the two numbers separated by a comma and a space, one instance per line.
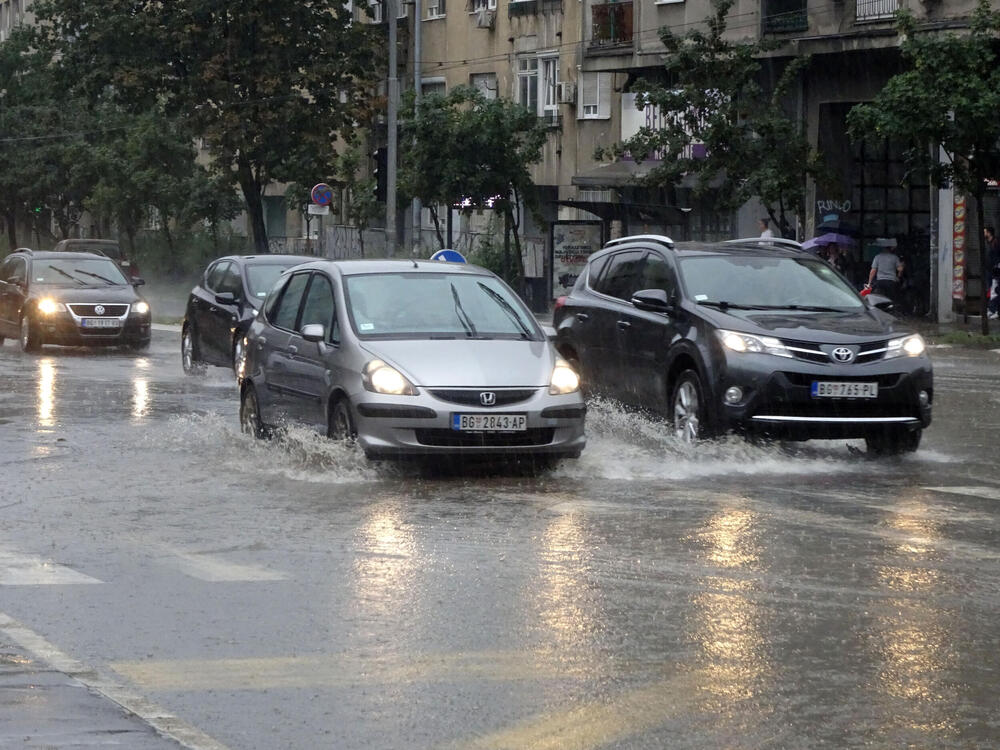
[992, 247]
[765, 229]
[887, 269]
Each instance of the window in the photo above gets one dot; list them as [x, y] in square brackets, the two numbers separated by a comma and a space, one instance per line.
[527, 83]
[287, 309]
[595, 96]
[231, 281]
[319, 307]
[478, 5]
[435, 8]
[486, 83]
[430, 86]
[376, 10]
[14, 270]
[213, 279]
[623, 275]
[657, 274]
[550, 87]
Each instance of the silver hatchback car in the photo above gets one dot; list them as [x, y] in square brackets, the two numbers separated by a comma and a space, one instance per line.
[410, 358]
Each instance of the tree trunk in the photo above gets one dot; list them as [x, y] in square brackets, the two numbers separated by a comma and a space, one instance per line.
[437, 224]
[984, 271]
[11, 218]
[252, 192]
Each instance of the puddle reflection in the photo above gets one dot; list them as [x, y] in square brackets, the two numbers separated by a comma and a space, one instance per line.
[46, 392]
[386, 563]
[140, 398]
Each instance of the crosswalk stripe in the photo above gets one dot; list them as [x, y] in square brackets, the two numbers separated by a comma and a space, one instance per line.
[27, 570]
[988, 493]
[214, 569]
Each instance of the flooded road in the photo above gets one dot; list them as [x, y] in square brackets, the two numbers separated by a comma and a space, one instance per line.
[289, 594]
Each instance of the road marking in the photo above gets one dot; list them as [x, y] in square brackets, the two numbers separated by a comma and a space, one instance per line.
[214, 569]
[333, 670]
[988, 493]
[596, 724]
[26, 570]
[164, 722]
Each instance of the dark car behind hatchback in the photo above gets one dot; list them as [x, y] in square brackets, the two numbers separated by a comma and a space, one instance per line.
[759, 339]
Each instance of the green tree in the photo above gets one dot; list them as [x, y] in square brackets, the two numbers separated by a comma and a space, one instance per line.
[722, 124]
[463, 146]
[362, 205]
[267, 85]
[948, 99]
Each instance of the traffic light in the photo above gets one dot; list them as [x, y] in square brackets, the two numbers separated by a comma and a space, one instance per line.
[379, 172]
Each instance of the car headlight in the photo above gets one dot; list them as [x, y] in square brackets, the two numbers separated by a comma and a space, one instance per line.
[564, 379]
[379, 377]
[744, 342]
[907, 346]
[141, 308]
[49, 306]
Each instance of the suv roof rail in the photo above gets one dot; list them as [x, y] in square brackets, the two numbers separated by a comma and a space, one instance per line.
[661, 238]
[774, 241]
[27, 250]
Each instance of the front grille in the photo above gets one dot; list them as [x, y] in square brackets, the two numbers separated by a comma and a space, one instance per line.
[88, 311]
[456, 439]
[809, 351]
[470, 397]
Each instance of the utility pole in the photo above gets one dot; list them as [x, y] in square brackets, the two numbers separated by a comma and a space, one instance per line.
[418, 95]
[393, 93]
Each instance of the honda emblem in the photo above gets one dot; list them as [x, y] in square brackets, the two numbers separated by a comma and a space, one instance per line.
[487, 398]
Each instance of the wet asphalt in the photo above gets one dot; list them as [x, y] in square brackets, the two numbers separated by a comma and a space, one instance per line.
[166, 581]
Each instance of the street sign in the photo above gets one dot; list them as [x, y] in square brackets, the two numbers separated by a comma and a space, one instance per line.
[321, 194]
[316, 210]
[449, 256]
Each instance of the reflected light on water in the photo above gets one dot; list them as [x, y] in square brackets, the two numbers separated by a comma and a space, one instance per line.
[46, 392]
[564, 599]
[730, 539]
[140, 398]
[385, 563]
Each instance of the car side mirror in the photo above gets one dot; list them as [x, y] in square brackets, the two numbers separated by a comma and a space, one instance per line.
[653, 300]
[225, 298]
[138, 282]
[314, 332]
[879, 301]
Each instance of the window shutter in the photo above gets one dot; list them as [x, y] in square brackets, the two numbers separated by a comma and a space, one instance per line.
[604, 96]
[588, 94]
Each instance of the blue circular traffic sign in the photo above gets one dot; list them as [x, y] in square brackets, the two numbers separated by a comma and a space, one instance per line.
[321, 194]
[450, 256]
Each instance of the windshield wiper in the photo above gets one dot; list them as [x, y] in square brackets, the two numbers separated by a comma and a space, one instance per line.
[723, 305]
[69, 276]
[463, 316]
[506, 307]
[97, 276]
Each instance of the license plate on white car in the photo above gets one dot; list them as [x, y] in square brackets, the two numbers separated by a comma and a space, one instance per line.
[101, 323]
[489, 422]
[841, 389]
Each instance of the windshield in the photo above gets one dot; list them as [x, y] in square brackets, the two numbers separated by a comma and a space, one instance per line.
[261, 276]
[766, 283]
[433, 305]
[77, 272]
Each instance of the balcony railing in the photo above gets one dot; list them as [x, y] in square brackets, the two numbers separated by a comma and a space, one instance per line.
[876, 10]
[612, 24]
[784, 15]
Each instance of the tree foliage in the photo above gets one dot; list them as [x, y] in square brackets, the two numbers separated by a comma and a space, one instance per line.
[947, 99]
[722, 125]
[267, 85]
[463, 147]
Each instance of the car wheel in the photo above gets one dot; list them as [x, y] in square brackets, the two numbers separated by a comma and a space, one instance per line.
[237, 353]
[189, 354]
[250, 420]
[687, 408]
[341, 424]
[30, 337]
[893, 442]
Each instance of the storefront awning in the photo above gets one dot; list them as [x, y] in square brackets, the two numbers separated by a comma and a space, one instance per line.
[632, 214]
[613, 174]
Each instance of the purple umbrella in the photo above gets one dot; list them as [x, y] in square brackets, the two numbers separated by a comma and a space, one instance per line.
[830, 238]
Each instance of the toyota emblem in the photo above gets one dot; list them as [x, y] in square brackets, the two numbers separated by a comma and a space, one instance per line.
[487, 398]
[842, 354]
[99, 309]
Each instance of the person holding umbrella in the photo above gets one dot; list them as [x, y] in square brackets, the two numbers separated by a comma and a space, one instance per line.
[887, 269]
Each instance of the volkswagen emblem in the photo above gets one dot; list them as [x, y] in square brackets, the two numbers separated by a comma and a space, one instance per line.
[842, 355]
[487, 398]
[99, 309]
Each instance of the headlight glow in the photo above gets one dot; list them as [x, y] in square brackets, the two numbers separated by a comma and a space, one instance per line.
[48, 306]
[564, 379]
[744, 342]
[141, 308]
[381, 378]
[907, 346]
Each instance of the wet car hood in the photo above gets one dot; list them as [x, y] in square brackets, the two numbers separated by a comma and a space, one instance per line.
[820, 327]
[120, 294]
[456, 363]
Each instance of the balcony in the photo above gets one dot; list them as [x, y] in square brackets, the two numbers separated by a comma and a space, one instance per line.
[876, 10]
[517, 8]
[611, 25]
[780, 16]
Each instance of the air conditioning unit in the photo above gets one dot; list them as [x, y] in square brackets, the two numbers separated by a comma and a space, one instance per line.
[485, 18]
[567, 92]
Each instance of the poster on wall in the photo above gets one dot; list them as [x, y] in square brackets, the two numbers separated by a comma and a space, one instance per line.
[572, 244]
[958, 243]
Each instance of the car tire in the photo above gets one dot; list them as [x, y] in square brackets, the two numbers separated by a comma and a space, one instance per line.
[340, 425]
[189, 353]
[894, 441]
[31, 340]
[688, 410]
[250, 419]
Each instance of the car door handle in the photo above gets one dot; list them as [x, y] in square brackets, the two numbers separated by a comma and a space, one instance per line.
[624, 325]
[582, 316]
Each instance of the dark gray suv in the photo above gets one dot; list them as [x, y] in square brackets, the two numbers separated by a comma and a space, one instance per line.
[755, 338]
